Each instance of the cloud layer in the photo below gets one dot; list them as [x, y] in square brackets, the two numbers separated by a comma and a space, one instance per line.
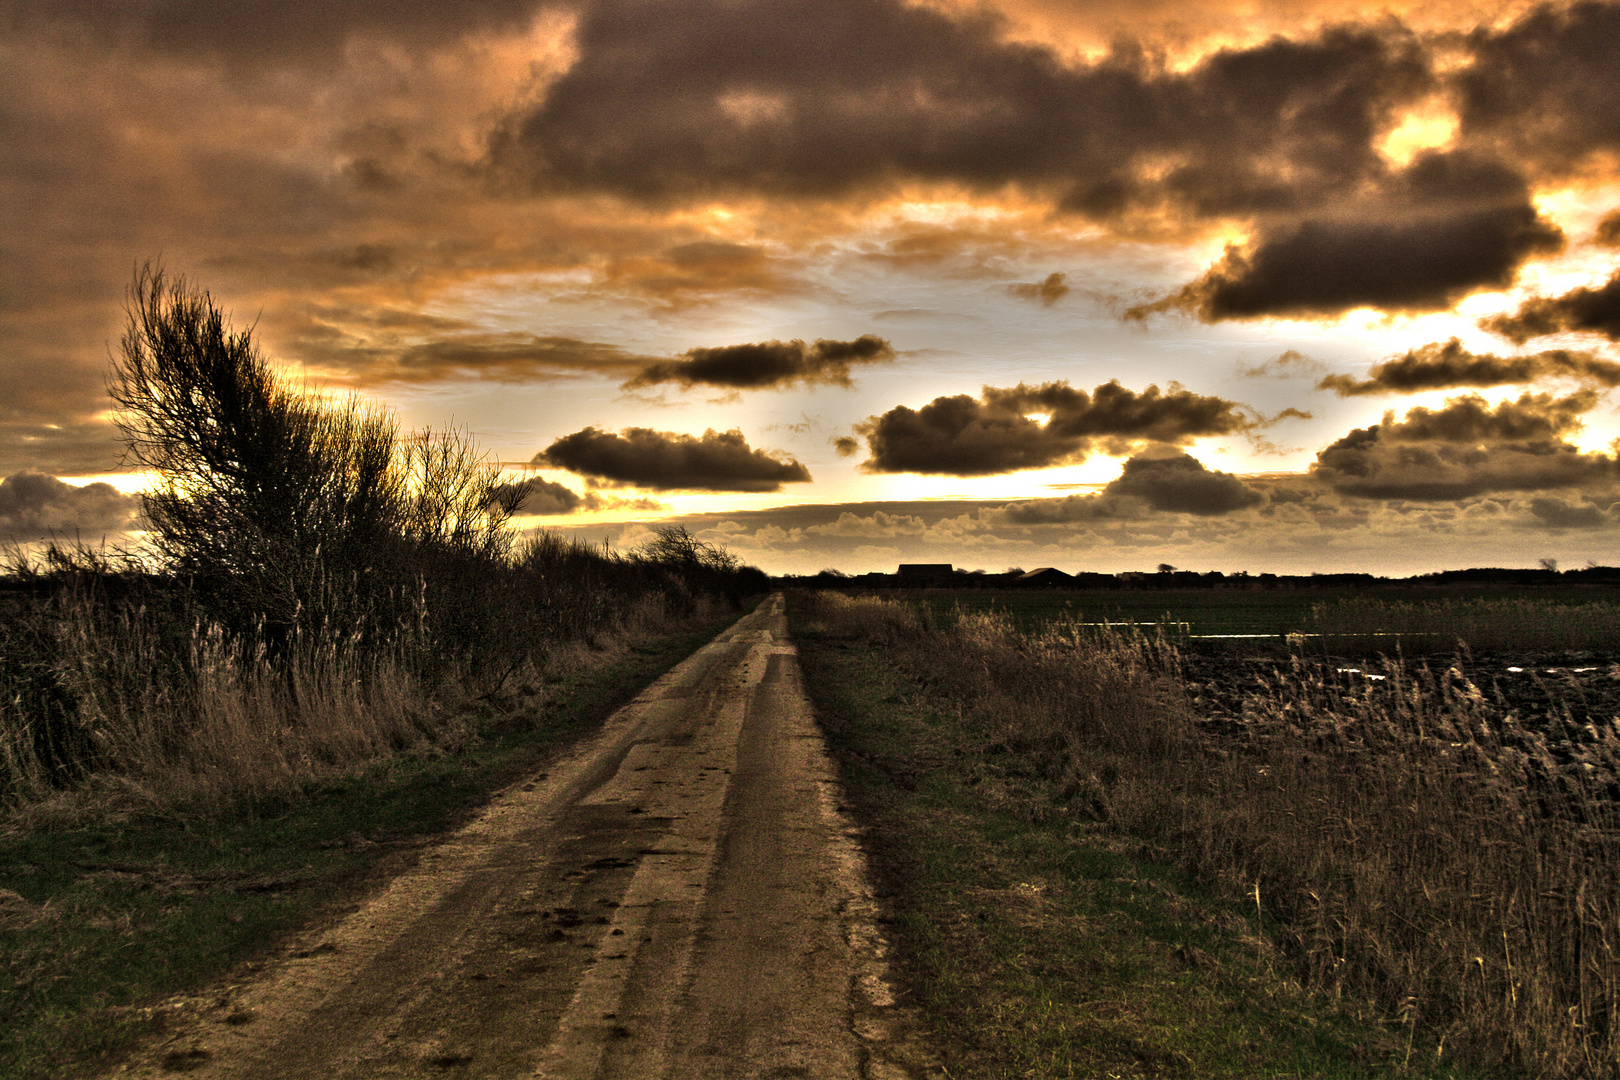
[1444, 365]
[998, 432]
[670, 461]
[1449, 225]
[1468, 448]
[767, 364]
[1583, 310]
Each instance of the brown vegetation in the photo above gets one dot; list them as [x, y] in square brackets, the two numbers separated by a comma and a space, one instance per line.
[318, 588]
[1415, 843]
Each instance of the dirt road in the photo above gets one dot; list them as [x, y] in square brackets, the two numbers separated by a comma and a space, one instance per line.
[681, 898]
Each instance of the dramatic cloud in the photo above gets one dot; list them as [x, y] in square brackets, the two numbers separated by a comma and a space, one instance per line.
[674, 99]
[1179, 483]
[767, 364]
[543, 497]
[34, 506]
[1547, 87]
[997, 432]
[1048, 291]
[1468, 448]
[1443, 365]
[1448, 225]
[1165, 482]
[670, 461]
[494, 213]
[1579, 310]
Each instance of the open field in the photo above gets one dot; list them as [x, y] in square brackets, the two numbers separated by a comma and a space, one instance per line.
[1274, 612]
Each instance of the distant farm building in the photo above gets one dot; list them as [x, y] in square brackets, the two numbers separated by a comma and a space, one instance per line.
[1046, 577]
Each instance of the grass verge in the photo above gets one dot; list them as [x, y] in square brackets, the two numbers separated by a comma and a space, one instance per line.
[1041, 942]
[100, 923]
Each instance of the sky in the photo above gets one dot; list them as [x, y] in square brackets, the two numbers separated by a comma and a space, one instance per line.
[1263, 285]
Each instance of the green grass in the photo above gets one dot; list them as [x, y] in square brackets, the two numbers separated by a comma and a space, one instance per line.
[1039, 942]
[1220, 611]
[120, 915]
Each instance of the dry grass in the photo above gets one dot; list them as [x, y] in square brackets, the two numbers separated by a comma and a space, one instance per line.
[112, 705]
[1413, 844]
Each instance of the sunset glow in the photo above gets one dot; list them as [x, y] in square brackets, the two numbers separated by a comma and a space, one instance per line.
[1269, 286]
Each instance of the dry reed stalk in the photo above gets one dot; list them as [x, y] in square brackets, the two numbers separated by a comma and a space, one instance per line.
[1421, 848]
[200, 721]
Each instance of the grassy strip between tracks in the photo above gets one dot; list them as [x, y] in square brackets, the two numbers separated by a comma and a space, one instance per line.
[1041, 944]
[101, 924]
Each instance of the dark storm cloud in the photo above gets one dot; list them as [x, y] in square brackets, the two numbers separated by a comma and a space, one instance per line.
[767, 364]
[964, 436]
[1583, 310]
[673, 99]
[670, 461]
[1468, 448]
[35, 506]
[1048, 291]
[1448, 225]
[1547, 87]
[1470, 419]
[256, 32]
[1167, 483]
[1443, 365]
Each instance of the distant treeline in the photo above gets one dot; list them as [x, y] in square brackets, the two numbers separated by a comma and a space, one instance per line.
[944, 576]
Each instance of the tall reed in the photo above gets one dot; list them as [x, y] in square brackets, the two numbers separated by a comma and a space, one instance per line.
[1411, 841]
[120, 689]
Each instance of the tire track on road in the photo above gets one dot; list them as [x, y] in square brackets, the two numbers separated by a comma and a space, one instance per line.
[680, 898]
